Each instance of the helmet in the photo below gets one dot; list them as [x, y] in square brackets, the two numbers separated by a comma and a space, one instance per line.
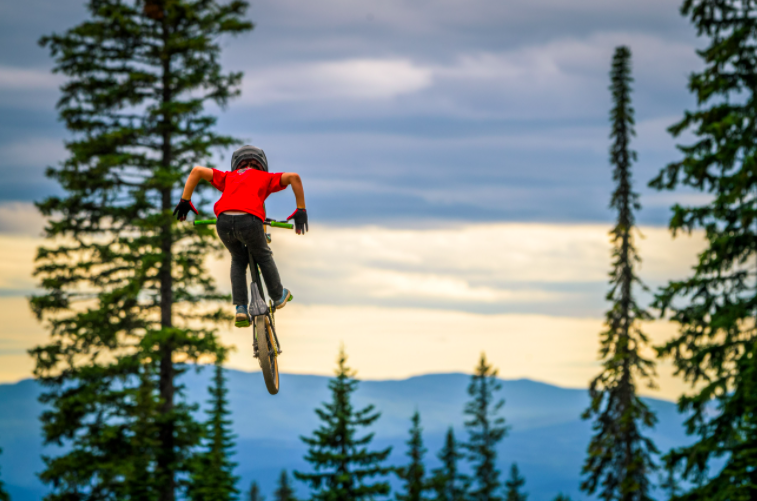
[248, 152]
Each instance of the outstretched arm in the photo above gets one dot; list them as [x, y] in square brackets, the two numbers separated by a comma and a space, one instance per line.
[194, 178]
[300, 215]
[293, 179]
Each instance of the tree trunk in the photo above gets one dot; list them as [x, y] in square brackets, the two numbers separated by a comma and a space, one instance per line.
[166, 434]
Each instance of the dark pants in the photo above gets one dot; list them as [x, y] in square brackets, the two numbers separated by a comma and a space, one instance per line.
[241, 234]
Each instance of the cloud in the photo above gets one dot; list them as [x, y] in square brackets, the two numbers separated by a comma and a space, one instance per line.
[20, 218]
[27, 79]
[561, 77]
[17, 254]
[29, 89]
[408, 109]
[390, 343]
[352, 79]
[382, 283]
[530, 295]
[488, 268]
[36, 152]
[558, 350]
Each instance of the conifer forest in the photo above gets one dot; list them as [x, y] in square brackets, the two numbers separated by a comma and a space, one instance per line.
[131, 309]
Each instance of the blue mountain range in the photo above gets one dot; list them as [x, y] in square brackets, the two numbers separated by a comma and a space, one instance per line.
[547, 437]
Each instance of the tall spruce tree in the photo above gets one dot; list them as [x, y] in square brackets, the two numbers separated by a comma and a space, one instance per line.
[121, 278]
[254, 493]
[413, 475]
[716, 307]
[212, 477]
[447, 482]
[341, 459]
[284, 491]
[3, 493]
[514, 484]
[620, 458]
[485, 430]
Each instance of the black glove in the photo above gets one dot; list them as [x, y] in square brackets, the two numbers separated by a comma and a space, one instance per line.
[300, 217]
[183, 208]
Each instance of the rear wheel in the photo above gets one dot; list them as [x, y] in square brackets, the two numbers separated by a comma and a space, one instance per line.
[267, 353]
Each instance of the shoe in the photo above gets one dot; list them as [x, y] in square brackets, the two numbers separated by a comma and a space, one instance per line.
[242, 318]
[285, 298]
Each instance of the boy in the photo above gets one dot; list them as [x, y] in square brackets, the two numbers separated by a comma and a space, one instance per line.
[240, 212]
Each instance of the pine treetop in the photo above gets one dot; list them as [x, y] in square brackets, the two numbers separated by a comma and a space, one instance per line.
[514, 484]
[342, 461]
[485, 430]
[413, 475]
[213, 476]
[254, 493]
[446, 480]
[284, 491]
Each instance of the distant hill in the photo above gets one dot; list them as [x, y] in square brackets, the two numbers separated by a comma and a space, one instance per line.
[547, 437]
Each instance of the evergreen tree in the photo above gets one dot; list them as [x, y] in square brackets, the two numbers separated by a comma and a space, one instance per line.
[3, 494]
[284, 491]
[121, 278]
[485, 430]
[413, 475]
[514, 484]
[715, 349]
[342, 462]
[447, 481]
[254, 492]
[619, 459]
[213, 472]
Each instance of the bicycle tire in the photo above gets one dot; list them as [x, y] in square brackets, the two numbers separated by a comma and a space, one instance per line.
[266, 353]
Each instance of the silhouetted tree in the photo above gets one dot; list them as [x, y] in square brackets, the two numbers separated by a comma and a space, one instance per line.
[213, 471]
[485, 430]
[619, 459]
[715, 349]
[447, 481]
[121, 279]
[341, 460]
[254, 493]
[284, 491]
[562, 497]
[413, 475]
[514, 484]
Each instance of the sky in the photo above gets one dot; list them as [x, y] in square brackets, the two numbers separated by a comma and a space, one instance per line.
[455, 161]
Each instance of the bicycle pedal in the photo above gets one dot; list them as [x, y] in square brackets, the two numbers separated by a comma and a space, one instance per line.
[243, 323]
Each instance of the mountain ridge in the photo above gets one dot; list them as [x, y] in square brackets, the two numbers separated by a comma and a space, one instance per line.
[546, 437]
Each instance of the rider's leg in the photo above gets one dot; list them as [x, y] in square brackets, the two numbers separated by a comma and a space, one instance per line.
[252, 233]
[226, 226]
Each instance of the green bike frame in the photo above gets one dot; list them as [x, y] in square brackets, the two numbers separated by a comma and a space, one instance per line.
[275, 224]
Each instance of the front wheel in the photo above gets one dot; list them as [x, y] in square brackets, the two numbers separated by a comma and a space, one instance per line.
[267, 353]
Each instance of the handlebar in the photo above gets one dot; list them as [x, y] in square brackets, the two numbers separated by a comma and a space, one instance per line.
[270, 222]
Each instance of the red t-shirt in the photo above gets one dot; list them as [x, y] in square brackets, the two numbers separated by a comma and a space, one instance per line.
[245, 190]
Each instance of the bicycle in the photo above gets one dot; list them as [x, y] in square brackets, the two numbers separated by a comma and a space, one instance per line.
[263, 324]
